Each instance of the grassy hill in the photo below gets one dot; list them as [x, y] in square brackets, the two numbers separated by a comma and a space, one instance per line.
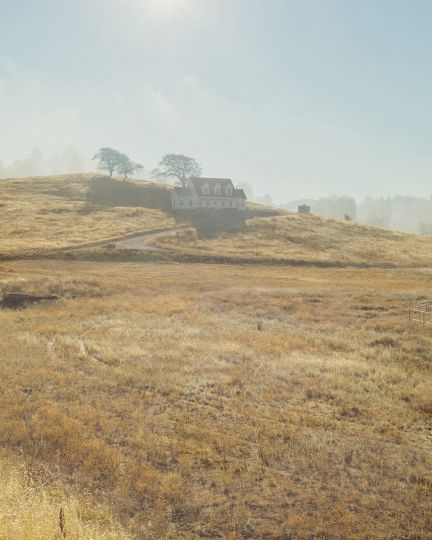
[46, 213]
[171, 400]
[308, 238]
[51, 213]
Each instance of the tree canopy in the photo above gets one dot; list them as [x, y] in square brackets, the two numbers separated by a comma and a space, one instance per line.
[336, 207]
[179, 167]
[108, 159]
[112, 160]
[126, 166]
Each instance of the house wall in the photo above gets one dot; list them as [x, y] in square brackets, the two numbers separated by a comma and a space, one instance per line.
[192, 202]
[184, 203]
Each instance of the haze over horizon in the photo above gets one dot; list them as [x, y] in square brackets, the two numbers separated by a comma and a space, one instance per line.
[299, 99]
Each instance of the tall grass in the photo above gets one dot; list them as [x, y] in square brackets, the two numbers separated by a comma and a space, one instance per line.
[31, 510]
[162, 401]
[223, 401]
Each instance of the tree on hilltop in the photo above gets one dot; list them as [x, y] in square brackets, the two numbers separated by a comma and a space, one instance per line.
[109, 159]
[179, 167]
[112, 160]
[126, 166]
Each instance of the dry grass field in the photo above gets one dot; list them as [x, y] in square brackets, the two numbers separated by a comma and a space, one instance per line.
[38, 214]
[160, 399]
[217, 401]
[308, 239]
[30, 510]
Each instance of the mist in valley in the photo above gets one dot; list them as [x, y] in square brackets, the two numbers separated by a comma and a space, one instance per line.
[398, 212]
[296, 100]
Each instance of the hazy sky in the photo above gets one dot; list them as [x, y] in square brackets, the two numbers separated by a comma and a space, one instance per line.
[300, 98]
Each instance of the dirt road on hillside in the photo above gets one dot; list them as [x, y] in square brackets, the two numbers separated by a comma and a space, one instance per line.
[141, 242]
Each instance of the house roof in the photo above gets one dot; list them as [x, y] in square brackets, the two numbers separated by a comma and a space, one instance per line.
[198, 184]
[183, 191]
[239, 193]
[212, 182]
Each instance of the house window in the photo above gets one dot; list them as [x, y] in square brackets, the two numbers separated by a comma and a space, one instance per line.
[205, 189]
[208, 202]
[190, 202]
[200, 202]
[237, 204]
[181, 202]
[230, 203]
[217, 189]
[229, 191]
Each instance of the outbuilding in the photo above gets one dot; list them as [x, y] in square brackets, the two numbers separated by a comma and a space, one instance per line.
[304, 209]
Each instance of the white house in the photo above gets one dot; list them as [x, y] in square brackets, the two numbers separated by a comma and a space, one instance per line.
[210, 193]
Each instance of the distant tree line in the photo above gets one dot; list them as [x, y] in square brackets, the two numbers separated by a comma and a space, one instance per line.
[411, 214]
[69, 160]
[337, 207]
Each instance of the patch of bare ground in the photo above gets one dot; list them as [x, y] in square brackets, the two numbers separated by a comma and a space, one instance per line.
[217, 401]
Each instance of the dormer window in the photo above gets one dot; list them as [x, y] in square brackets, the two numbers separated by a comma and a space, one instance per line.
[217, 189]
[229, 191]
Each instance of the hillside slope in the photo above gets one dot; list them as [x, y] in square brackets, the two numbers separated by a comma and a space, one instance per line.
[45, 213]
[308, 238]
[52, 212]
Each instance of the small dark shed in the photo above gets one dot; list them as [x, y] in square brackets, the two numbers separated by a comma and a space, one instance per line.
[304, 209]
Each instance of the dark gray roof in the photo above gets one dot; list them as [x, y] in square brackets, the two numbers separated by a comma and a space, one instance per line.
[183, 191]
[212, 182]
[198, 184]
[239, 193]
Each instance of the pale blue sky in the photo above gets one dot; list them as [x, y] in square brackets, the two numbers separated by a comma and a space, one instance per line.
[300, 98]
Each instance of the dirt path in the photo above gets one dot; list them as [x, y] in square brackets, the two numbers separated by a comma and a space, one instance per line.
[141, 242]
[141, 238]
[138, 240]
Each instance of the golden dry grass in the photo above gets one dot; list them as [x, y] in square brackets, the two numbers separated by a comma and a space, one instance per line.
[308, 238]
[211, 401]
[38, 214]
[30, 510]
